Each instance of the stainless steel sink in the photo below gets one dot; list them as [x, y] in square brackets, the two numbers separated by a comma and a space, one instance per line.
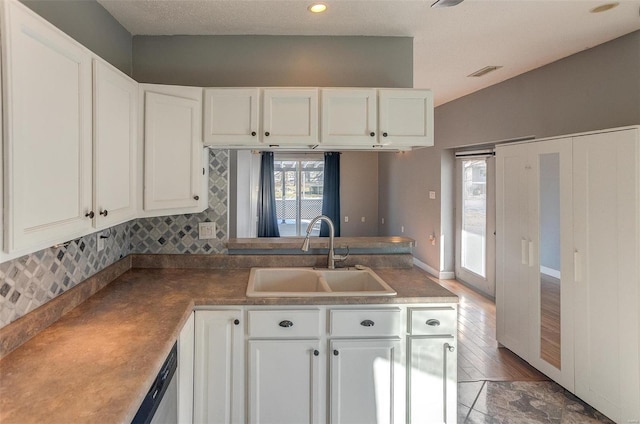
[311, 282]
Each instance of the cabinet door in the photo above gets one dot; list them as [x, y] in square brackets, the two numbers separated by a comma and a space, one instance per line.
[283, 381]
[432, 363]
[173, 168]
[366, 381]
[513, 248]
[606, 196]
[219, 365]
[185, 372]
[349, 117]
[231, 116]
[290, 116]
[114, 145]
[405, 117]
[47, 148]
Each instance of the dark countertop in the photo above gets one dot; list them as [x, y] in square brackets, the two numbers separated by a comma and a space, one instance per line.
[96, 363]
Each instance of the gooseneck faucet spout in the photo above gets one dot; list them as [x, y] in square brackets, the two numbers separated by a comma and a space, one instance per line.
[332, 257]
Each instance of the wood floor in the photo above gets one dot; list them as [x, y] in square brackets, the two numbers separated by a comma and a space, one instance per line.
[550, 320]
[479, 357]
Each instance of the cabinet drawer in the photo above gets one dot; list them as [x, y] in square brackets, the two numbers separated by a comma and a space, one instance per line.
[432, 320]
[284, 323]
[364, 322]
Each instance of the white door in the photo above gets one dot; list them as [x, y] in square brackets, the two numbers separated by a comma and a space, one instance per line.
[432, 384]
[475, 222]
[551, 259]
[606, 187]
[283, 381]
[405, 117]
[513, 248]
[172, 152]
[290, 116]
[47, 147]
[349, 116]
[185, 371]
[363, 381]
[231, 116]
[114, 145]
[219, 367]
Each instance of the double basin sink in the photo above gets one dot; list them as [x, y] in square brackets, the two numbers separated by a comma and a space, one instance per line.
[315, 282]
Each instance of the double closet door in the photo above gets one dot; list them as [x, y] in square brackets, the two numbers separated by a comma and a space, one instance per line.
[534, 248]
[568, 263]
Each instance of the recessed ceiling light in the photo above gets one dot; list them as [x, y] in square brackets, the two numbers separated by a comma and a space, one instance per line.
[484, 71]
[317, 8]
[604, 7]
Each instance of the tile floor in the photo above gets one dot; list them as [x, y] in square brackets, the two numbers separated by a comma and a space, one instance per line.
[495, 385]
[506, 402]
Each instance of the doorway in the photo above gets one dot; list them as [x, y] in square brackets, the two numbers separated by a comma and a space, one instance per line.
[475, 220]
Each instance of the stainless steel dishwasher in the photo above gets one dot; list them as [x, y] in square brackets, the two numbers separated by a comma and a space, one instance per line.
[160, 406]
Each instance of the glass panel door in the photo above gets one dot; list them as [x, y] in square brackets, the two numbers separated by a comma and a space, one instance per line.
[298, 187]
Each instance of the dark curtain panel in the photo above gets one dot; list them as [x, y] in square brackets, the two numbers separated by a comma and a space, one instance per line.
[331, 193]
[267, 219]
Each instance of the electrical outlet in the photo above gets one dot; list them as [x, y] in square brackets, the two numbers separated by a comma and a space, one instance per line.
[432, 239]
[362, 219]
[382, 221]
[99, 242]
[402, 229]
[346, 219]
[206, 230]
[432, 195]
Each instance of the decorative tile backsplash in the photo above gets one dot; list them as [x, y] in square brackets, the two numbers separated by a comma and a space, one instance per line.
[32, 280]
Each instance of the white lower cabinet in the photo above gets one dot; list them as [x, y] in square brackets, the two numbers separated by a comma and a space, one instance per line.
[185, 372]
[365, 381]
[219, 367]
[348, 364]
[284, 381]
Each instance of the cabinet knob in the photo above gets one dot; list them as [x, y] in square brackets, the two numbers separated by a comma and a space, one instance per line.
[372, 134]
[267, 133]
[448, 347]
[433, 322]
[236, 321]
[286, 323]
[335, 352]
[196, 197]
[384, 134]
[367, 323]
[253, 133]
[104, 213]
[316, 352]
[90, 214]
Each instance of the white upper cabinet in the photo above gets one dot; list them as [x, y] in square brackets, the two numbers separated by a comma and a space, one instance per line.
[47, 143]
[114, 145]
[290, 116]
[231, 116]
[349, 117]
[405, 117]
[173, 152]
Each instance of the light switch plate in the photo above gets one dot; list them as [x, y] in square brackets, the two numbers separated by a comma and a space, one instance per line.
[99, 242]
[432, 195]
[206, 230]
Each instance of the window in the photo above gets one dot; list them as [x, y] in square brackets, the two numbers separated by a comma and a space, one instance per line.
[474, 215]
[298, 187]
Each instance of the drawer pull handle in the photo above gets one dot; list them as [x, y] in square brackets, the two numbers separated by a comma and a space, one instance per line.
[367, 323]
[316, 352]
[335, 352]
[286, 323]
[448, 347]
[236, 321]
[433, 322]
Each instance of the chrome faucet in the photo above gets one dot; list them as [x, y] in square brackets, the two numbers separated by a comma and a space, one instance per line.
[332, 257]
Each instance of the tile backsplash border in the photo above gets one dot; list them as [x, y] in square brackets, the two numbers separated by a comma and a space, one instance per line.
[35, 279]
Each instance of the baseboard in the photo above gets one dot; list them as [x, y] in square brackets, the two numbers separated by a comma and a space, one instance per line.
[550, 272]
[439, 275]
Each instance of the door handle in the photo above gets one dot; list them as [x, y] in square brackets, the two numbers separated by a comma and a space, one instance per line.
[576, 265]
[523, 247]
[531, 259]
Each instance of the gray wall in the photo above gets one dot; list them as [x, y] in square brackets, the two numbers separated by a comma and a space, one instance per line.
[594, 89]
[359, 193]
[91, 25]
[259, 61]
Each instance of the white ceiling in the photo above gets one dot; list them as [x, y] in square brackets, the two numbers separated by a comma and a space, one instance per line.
[449, 43]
